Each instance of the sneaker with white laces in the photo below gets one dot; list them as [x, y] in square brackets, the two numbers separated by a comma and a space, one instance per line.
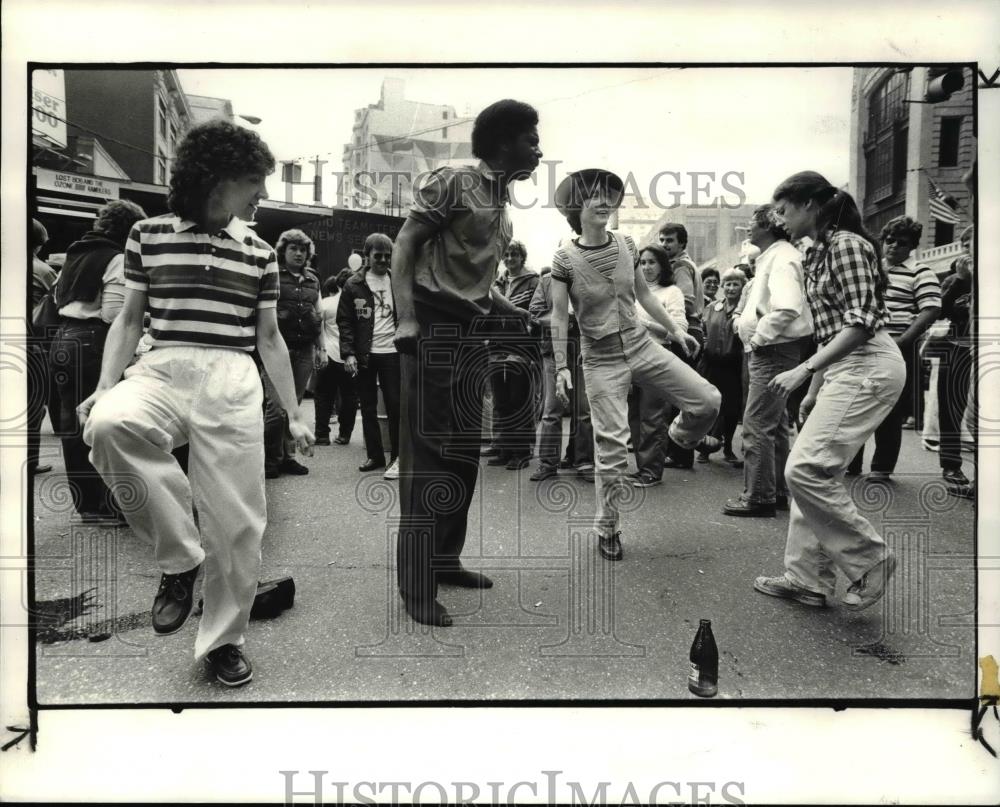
[392, 472]
[784, 588]
[869, 589]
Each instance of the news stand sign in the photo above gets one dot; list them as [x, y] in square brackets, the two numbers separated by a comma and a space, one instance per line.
[48, 106]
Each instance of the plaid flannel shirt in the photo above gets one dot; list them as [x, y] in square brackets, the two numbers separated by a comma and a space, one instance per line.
[841, 275]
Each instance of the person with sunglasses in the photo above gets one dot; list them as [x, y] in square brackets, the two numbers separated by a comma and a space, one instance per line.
[913, 300]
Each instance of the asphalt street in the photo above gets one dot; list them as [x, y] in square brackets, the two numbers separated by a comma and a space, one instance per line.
[559, 623]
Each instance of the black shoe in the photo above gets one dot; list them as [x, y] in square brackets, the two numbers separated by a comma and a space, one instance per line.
[371, 465]
[39, 469]
[341, 440]
[645, 479]
[955, 476]
[489, 451]
[610, 546]
[464, 578]
[517, 463]
[172, 604]
[545, 471]
[294, 468]
[740, 507]
[230, 666]
[271, 473]
[322, 441]
[433, 614]
[565, 463]
[497, 460]
[709, 444]
[671, 462]
[781, 502]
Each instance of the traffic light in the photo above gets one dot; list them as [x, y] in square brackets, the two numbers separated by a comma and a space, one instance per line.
[944, 86]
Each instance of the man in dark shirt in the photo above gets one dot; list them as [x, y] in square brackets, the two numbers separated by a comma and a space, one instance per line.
[955, 371]
[443, 266]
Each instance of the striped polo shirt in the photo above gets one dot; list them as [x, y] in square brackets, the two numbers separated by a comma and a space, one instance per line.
[912, 288]
[201, 290]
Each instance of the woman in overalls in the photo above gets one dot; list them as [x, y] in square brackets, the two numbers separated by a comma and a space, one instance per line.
[598, 272]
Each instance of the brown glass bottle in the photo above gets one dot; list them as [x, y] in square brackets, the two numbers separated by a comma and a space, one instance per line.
[704, 677]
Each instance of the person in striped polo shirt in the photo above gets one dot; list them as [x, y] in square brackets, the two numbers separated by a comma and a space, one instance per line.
[211, 287]
[913, 301]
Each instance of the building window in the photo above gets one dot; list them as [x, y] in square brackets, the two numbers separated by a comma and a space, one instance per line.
[951, 128]
[162, 109]
[944, 233]
[444, 115]
[444, 134]
[161, 167]
[885, 141]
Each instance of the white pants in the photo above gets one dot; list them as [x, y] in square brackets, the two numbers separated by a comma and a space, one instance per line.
[210, 398]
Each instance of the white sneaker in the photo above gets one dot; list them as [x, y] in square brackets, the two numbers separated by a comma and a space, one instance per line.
[392, 472]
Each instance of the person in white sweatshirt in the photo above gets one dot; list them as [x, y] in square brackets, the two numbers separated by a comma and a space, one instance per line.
[774, 324]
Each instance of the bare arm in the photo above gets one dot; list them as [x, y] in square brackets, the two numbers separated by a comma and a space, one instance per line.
[408, 243]
[923, 321]
[119, 348]
[274, 355]
[560, 333]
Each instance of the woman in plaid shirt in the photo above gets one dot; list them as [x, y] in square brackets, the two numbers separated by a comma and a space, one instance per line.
[856, 375]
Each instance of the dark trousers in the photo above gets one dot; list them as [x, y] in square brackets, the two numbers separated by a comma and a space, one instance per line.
[727, 377]
[42, 395]
[379, 370]
[954, 376]
[278, 443]
[440, 431]
[684, 456]
[75, 363]
[765, 424]
[889, 434]
[333, 381]
[513, 407]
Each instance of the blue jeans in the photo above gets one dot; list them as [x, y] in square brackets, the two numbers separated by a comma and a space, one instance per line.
[825, 529]
[765, 424]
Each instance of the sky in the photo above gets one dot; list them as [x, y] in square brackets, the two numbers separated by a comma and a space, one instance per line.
[761, 123]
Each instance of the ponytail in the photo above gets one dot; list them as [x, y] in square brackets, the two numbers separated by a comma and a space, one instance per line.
[837, 211]
[841, 212]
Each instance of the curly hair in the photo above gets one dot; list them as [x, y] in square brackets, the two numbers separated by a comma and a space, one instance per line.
[116, 218]
[39, 235]
[519, 248]
[905, 227]
[767, 218]
[208, 154]
[293, 237]
[501, 123]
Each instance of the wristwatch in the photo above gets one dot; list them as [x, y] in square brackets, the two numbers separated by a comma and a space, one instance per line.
[808, 365]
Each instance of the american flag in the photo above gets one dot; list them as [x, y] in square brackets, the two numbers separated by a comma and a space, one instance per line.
[942, 206]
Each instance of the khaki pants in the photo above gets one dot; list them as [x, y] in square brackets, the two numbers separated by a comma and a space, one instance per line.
[825, 529]
[211, 399]
[610, 365]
